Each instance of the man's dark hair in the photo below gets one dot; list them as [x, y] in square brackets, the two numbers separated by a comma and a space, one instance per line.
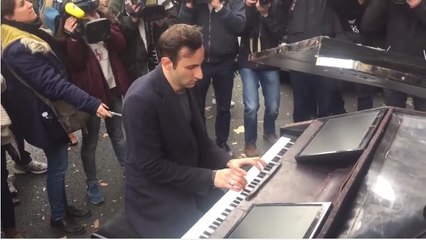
[7, 7]
[177, 37]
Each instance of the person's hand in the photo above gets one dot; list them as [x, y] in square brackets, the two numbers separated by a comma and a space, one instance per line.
[262, 9]
[250, 3]
[233, 177]
[216, 4]
[414, 3]
[241, 162]
[70, 24]
[189, 3]
[102, 111]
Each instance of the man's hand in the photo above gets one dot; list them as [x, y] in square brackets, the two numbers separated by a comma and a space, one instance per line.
[216, 4]
[233, 177]
[102, 111]
[250, 3]
[414, 3]
[262, 9]
[189, 3]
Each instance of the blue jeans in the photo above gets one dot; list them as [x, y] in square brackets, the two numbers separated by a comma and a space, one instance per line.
[399, 99]
[221, 75]
[270, 82]
[315, 96]
[90, 141]
[57, 162]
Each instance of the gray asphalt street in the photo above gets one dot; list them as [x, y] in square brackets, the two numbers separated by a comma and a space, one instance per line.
[33, 212]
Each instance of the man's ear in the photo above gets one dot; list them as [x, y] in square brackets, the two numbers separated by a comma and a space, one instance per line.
[166, 63]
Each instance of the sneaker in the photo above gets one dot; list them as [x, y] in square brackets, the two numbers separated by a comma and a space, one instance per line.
[33, 167]
[270, 137]
[227, 149]
[250, 150]
[214, 102]
[95, 194]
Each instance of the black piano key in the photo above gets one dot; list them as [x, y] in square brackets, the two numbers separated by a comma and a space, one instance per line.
[245, 194]
[239, 198]
[236, 201]
[227, 210]
[216, 223]
[281, 153]
[256, 180]
[224, 214]
[203, 237]
[261, 175]
[207, 233]
[233, 205]
[251, 185]
[219, 220]
[267, 169]
[213, 227]
[276, 159]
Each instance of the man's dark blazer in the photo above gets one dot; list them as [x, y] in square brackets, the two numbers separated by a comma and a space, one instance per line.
[169, 161]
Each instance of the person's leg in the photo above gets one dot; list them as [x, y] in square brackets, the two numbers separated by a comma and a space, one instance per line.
[304, 103]
[223, 82]
[204, 84]
[329, 98]
[23, 161]
[88, 148]
[364, 96]
[8, 223]
[88, 157]
[250, 82]
[251, 104]
[270, 82]
[57, 160]
[419, 104]
[114, 128]
[394, 98]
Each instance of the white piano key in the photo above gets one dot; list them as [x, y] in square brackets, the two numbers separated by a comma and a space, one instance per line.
[198, 229]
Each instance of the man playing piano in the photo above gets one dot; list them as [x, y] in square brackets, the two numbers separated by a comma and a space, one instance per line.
[174, 171]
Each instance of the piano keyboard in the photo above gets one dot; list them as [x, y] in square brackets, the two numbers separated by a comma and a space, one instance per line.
[212, 219]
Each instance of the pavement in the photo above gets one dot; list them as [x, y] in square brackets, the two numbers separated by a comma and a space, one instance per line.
[33, 215]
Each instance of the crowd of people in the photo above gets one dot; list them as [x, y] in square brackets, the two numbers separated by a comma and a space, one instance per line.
[156, 71]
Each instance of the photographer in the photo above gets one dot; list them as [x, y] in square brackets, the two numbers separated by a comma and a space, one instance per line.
[221, 23]
[141, 34]
[265, 27]
[97, 69]
[405, 22]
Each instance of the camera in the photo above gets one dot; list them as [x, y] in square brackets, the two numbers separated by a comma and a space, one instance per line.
[149, 10]
[92, 31]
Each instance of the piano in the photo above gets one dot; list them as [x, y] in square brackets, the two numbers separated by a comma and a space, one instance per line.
[255, 178]
[376, 187]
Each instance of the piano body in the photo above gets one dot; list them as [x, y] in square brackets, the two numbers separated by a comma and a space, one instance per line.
[379, 193]
[375, 191]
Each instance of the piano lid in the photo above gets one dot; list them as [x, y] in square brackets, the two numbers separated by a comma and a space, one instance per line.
[350, 62]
